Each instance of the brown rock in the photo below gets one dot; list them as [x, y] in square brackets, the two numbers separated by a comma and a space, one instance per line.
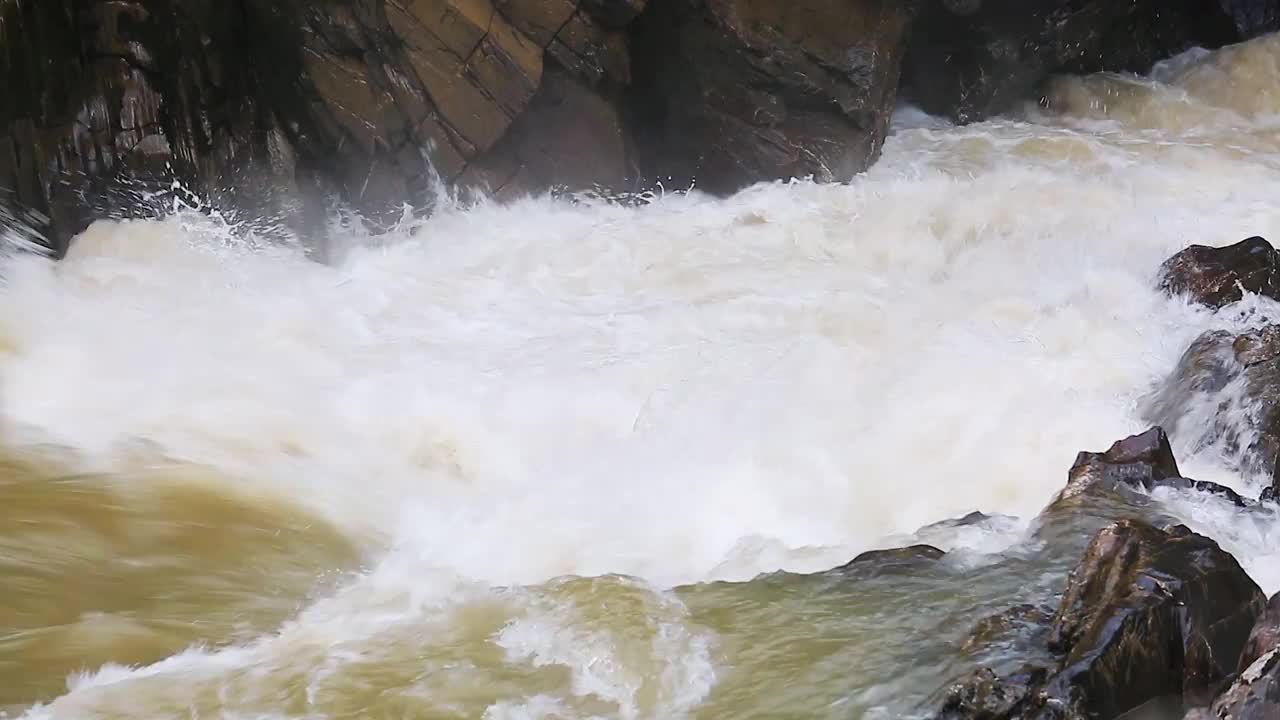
[1219, 276]
[732, 92]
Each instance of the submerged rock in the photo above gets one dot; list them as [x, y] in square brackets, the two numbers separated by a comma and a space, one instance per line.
[877, 562]
[1147, 613]
[1218, 276]
[1225, 393]
[1004, 626]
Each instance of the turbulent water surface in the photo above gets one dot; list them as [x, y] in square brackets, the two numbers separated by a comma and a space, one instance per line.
[562, 459]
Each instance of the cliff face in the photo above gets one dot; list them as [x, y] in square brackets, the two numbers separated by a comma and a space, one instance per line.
[271, 108]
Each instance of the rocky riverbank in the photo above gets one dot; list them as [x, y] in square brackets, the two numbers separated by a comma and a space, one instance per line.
[269, 110]
[1153, 613]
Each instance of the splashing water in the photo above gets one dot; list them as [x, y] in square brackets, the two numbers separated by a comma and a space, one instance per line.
[493, 465]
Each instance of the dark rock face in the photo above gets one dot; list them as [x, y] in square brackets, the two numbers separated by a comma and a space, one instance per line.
[106, 102]
[969, 60]
[1219, 276]
[1147, 613]
[735, 91]
[1253, 17]
[276, 106]
[1225, 392]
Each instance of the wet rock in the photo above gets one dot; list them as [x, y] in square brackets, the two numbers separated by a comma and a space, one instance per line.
[1150, 613]
[1141, 460]
[1218, 276]
[1255, 694]
[1225, 394]
[987, 696]
[969, 60]
[1265, 635]
[1005, 626]
[1144, 461]
[1147, 614]
[272, 106]
[732, 92]
[878, 562]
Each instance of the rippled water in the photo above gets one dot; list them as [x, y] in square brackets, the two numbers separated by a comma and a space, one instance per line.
[572, 460]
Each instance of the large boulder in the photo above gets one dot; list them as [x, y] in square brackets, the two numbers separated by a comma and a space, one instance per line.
[730, 92]
[1225, 394]
[970, 59]
[1147, 613]
[1218, 276]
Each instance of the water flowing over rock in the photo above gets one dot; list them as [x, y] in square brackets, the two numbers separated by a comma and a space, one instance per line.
[1216, 277]
[1225, 393]
[878, 562]
[1147, 613]
[971, 59]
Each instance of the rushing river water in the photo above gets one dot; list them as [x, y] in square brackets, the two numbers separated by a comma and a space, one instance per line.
[578, 460]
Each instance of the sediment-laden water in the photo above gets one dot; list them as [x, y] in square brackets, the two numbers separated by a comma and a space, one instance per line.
[562, 459]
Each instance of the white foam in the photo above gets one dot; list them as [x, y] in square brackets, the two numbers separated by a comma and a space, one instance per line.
[688, 390]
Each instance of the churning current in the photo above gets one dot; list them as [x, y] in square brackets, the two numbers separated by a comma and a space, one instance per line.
[558, 459]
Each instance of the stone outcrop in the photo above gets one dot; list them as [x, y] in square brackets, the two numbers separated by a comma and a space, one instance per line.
[1225, 393]
[970, 59]
[1147, 613]
[1144, 461]
[276, 107]
[270, 110]
[1218, 276]
[731, 91]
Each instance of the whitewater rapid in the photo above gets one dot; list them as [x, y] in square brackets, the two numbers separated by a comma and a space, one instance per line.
[499, 398]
